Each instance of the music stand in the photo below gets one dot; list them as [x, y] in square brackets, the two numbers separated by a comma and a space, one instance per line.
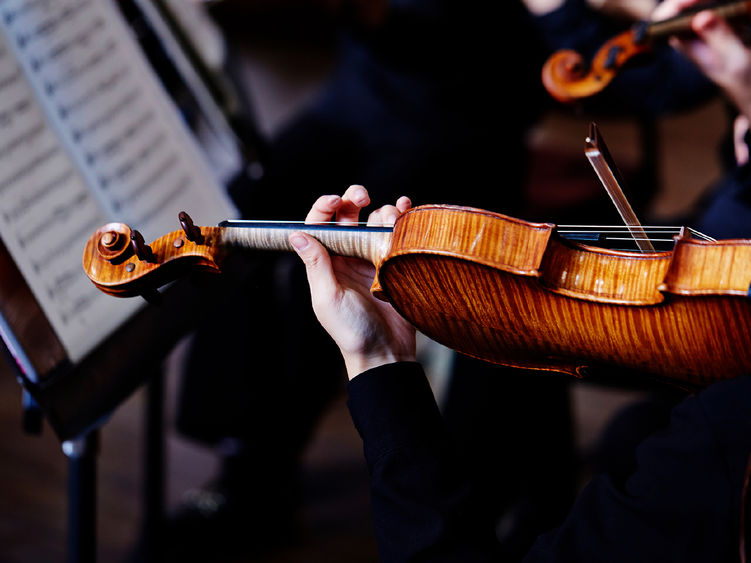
[76, 398]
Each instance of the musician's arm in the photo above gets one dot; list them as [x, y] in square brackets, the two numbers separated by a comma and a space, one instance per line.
[682, 503]
[419, 487]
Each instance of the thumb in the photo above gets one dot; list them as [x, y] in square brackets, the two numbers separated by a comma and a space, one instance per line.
[320, 272]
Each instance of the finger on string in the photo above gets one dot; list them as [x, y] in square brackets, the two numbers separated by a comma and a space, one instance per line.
[384, 216]
[355, 198]
[324, 209]
[388, 214]
[403, 203]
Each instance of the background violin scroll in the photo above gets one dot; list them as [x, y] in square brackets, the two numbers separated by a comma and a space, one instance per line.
[568, 77]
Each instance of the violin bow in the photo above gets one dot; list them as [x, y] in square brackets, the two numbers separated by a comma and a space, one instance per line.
[599, 157]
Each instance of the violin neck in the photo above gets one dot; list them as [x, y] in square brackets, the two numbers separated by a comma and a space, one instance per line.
[368, 243]
[681, 23]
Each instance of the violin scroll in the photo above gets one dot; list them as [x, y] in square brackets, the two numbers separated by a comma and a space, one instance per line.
[563, 68]
[120, 263]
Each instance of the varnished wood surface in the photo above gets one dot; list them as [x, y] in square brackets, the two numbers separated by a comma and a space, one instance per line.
[114, 269]
[623, 278]
[692, 334]
[703, 268]
[502, 290]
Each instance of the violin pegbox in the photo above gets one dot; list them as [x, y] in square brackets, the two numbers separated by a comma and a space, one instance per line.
[118, 261]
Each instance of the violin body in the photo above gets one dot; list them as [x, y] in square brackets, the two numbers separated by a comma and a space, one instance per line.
[518, 293]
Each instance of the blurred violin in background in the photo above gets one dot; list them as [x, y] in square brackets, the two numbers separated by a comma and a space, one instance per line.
[568, 77]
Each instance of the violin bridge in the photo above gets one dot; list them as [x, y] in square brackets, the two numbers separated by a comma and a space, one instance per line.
[599, 157]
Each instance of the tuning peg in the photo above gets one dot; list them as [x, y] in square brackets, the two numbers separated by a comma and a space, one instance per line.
[192, 233]
[140, 248]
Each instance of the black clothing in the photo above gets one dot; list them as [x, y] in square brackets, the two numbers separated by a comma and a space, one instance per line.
[682, 503]
[725, 212]
[434, 103]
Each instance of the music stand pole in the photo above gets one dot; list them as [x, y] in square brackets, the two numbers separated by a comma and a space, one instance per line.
[154, 469]
[81, 453]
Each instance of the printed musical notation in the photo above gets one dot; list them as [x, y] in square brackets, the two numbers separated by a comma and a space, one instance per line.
[87, 136]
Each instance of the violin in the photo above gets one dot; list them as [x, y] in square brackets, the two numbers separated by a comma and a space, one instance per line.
[567, 77]
[498, 288]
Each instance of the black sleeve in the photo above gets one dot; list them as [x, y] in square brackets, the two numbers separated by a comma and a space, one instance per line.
[725, 212]
[683, 501]
[419, 490]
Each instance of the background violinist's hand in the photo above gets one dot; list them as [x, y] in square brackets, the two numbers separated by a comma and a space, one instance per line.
[717, 50]
[542, 7]
[633, 10]
[368, 332]
[630, 10]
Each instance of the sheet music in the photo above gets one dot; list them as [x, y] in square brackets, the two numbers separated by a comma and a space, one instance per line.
[87, 136]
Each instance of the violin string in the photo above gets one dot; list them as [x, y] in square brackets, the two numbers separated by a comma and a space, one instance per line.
[252, 221]
[652, 230]
[667, 228]
[651, 239]
[241, 222]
